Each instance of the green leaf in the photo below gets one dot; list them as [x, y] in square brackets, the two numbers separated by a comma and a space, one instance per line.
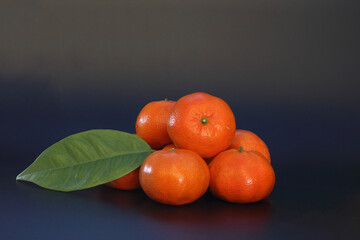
[87, 159]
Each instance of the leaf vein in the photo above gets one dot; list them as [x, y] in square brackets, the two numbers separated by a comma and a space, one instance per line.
[21, 176]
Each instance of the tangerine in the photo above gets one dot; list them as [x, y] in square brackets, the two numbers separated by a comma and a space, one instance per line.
[171, 145]
[174, 176]
[202, 123]
[241, 176]
[151, 123]
[128, 182]
[250, 141]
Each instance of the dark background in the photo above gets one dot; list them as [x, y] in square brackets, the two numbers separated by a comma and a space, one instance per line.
[290, 70]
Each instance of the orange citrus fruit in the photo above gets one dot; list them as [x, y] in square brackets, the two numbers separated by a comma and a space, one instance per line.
[250, 141]
[128, 182]
[169, 146]
[152, 121]
[174, 176]
[202, 123]
[241, 176]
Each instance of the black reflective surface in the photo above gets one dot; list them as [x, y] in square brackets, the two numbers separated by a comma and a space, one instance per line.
[289, 70]
[307, 202]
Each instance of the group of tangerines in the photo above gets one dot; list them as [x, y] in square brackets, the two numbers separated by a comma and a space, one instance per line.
[198, 148]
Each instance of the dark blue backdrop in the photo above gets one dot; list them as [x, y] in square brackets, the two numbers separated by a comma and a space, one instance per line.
[290, 71]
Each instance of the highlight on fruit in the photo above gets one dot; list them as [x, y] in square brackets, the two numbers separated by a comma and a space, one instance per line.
[180, 150]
